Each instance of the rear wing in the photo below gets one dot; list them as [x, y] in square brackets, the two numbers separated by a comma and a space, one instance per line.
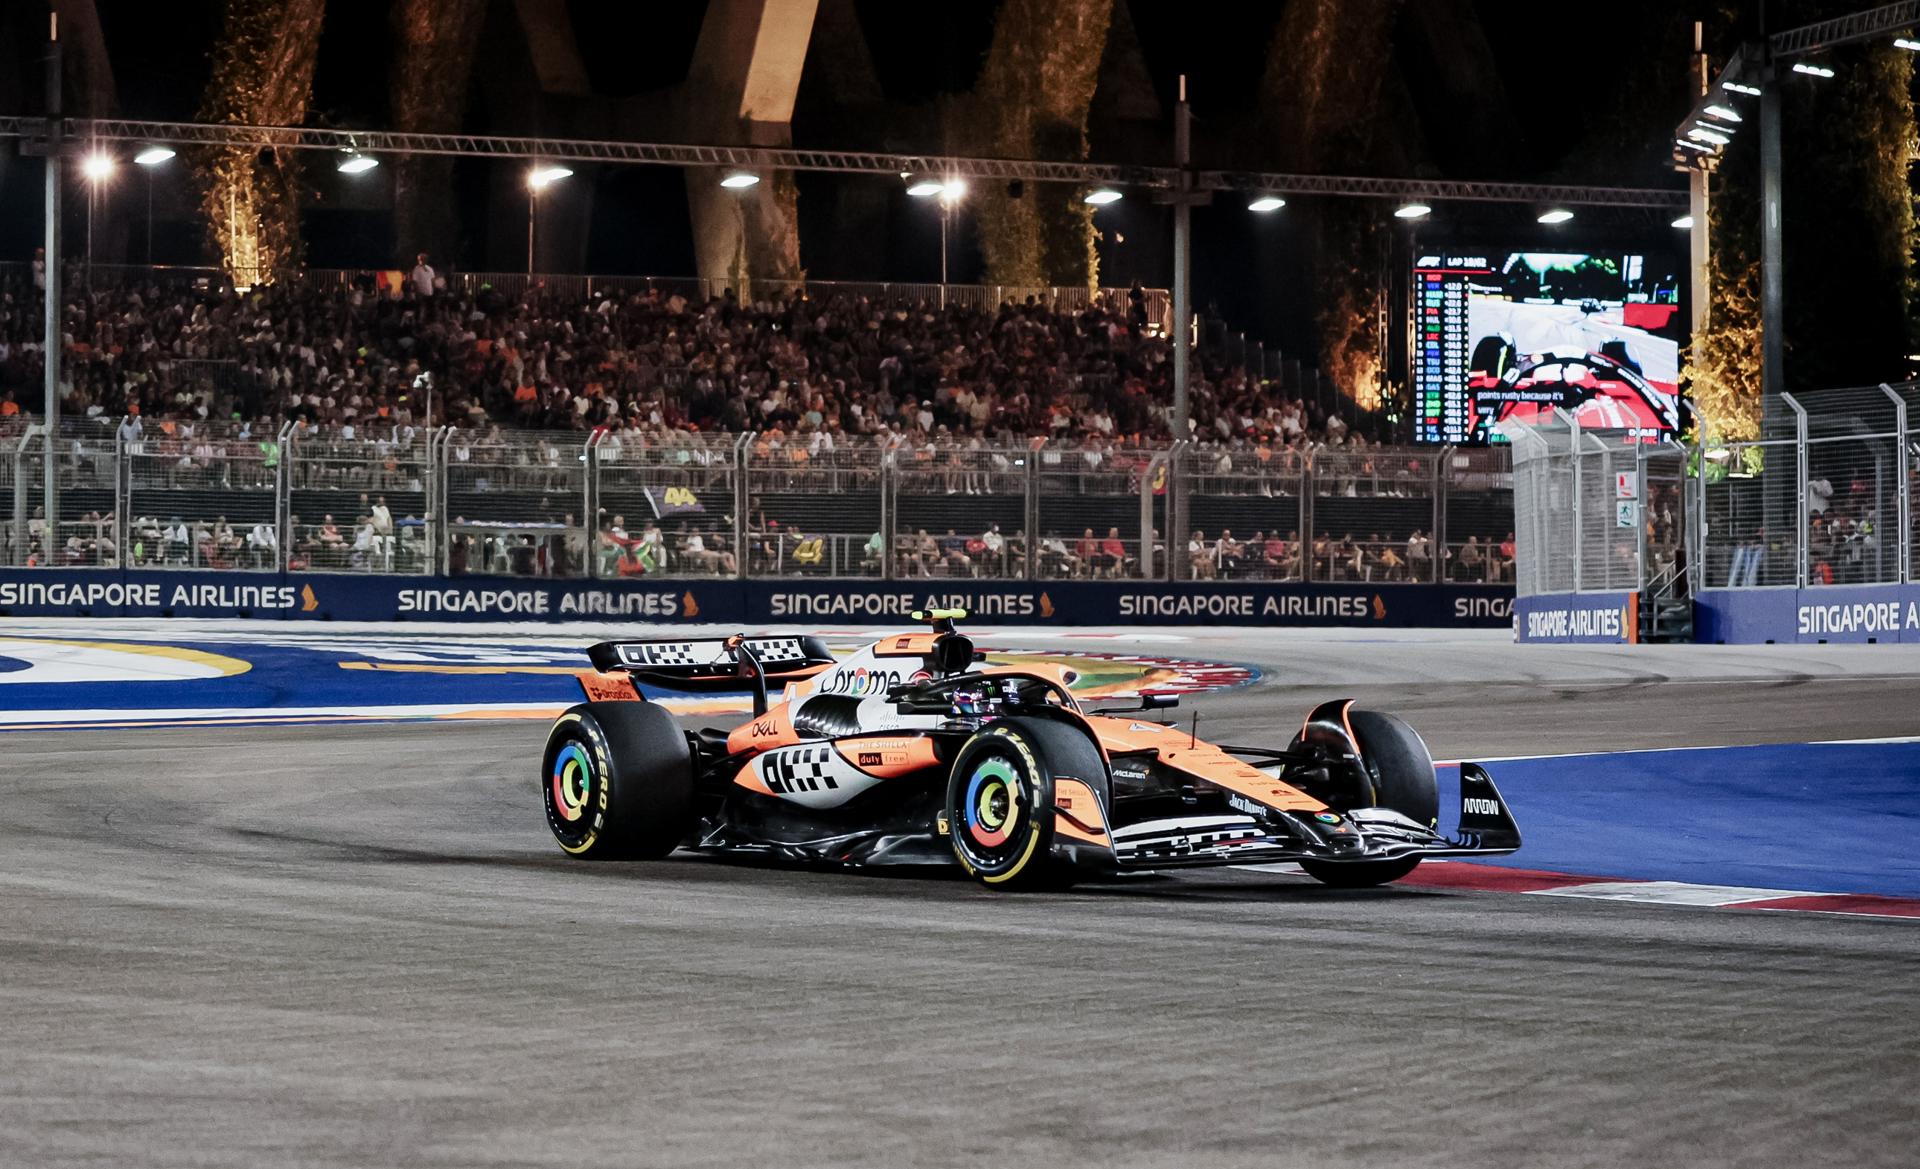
[709, 662]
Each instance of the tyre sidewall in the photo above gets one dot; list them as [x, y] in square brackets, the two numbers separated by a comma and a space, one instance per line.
[643, 805]
[1027, 854]
[1399, 765]
[579, 726]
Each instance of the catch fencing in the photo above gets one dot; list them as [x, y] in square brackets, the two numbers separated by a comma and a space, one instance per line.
[1824, 498]
[608, 505]
[1596, 511]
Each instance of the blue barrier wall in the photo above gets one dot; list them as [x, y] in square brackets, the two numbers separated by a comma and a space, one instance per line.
[1831, 613]
[1568, 618]
[330, 597]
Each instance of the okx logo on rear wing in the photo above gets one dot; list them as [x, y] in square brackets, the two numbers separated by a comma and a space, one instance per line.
[709, 661]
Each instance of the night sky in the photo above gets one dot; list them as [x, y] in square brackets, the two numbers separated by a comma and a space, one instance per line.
[1570, 78]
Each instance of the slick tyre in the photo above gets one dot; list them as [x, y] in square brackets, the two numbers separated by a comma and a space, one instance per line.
[1401, 771]
[1000, 801]
[617, 781]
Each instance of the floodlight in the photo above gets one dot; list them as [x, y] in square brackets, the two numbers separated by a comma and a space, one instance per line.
[1557, 215]
[153, 156]
[1267, 203]
[1413, 211]
[356, 164]
[1103, 196]
[739, 179]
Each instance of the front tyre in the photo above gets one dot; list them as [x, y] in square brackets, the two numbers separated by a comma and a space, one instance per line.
[617, 781]
[1000, 808]
[1400, 774]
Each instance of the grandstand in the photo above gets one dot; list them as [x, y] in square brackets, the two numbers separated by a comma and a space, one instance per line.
[348, 423]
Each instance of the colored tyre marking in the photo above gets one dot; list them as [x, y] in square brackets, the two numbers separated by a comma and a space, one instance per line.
[992, 804]
[577, 834]
[572, 782]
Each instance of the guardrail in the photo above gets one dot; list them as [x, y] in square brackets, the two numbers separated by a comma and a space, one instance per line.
[620, 505]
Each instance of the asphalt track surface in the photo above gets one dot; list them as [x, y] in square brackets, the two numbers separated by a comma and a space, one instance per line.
[357, 946]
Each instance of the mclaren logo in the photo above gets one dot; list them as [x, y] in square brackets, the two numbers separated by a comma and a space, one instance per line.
[308, 602]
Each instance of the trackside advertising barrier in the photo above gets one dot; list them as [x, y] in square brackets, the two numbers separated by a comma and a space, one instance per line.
[330, 597]
[1831, 613]
[1566, 618]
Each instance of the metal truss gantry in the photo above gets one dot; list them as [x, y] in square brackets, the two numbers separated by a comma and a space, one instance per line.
[128, 131]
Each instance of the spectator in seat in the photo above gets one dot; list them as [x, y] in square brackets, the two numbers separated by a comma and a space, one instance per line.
[1230, 555]
[1472, 562]
[1086, 552]
[1200, 556]
[953, 554]
[1113, 554]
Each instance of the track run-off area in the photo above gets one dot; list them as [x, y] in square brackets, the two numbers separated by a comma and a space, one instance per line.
[282, 894]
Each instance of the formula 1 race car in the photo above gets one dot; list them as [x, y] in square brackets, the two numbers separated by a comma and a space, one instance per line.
[911, 751]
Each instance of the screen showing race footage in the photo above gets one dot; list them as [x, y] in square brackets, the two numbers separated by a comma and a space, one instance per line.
[1512, 336]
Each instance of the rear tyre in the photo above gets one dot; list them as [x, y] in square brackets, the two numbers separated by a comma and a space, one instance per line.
[1000, 801]
[1401, 772]
[617, 781]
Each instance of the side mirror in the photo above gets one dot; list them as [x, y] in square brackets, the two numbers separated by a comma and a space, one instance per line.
[1154, 701]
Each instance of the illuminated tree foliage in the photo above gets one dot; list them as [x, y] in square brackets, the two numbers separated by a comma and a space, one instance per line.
[435, 43]
[262, 74]
[1849, 242]
[1324, 94]
[1031, 101]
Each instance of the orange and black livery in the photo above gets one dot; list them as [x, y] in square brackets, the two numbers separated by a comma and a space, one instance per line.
[911, 751]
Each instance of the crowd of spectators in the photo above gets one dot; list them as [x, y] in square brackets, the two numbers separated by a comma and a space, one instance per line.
[200, 381]
[360, 358]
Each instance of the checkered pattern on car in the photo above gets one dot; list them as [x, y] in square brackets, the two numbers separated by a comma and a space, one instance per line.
[669, 653]
[777, 649]
[708, 653]
[798, 769]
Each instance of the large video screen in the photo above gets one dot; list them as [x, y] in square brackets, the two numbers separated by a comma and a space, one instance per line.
[1499, 337]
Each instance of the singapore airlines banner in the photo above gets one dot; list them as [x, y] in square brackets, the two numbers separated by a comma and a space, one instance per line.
[342, 597]
[1831, 613]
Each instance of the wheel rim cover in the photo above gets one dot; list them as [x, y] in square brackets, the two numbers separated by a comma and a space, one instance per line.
[572, 782]
[992, 804]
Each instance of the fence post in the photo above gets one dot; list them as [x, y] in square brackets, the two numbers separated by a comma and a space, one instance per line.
[122, 499]
[1030, 507]
[742, 499]
[1803, 523]
[1440, 557]
[1146, 514]
[1579, 500]
[589, 497]
[1903, 487]
[21, 540]
[888, 460]
[283, 496]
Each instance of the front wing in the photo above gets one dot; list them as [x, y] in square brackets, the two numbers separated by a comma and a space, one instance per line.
[1255, 834]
